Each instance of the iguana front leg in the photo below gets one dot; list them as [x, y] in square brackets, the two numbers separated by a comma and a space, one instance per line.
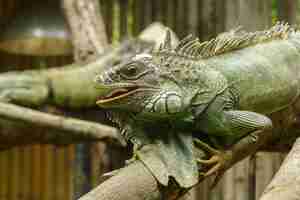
[256, 127]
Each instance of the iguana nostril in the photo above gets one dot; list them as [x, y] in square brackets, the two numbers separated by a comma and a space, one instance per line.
[98, 79]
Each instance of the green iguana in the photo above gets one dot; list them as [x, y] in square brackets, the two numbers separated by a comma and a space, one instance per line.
[221, 91]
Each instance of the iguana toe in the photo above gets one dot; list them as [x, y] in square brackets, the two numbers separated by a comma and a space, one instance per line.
[216, 164]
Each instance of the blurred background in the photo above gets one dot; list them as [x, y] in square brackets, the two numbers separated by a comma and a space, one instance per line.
[33, 34]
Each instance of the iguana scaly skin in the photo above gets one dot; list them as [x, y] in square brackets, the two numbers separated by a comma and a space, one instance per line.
[222, 89]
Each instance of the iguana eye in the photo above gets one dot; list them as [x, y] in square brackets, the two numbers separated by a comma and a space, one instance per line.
[132, 71]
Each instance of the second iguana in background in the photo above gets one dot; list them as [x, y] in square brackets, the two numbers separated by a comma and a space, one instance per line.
[221, 91]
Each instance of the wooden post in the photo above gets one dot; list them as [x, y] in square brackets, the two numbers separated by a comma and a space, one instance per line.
[251, 14]
[287, 11]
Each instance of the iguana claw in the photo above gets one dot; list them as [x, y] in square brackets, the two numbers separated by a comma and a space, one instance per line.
[216, 164]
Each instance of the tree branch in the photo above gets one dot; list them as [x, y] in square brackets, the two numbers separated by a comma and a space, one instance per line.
[87, 27]
[77, 129]
[124, 185]
[286, 183]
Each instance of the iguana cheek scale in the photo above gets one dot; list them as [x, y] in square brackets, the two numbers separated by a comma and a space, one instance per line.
[223, 89]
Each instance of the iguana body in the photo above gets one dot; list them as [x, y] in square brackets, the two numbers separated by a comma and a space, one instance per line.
[255, 72]
[73, 87]
[222, 88]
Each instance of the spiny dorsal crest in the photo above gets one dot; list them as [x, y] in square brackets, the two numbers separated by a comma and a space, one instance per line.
[166, 45]
[191, 48]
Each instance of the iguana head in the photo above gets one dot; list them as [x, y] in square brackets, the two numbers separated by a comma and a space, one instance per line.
[138, 85]
[141, 85]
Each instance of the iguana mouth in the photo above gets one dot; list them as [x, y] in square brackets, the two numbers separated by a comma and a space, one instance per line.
[117, 94]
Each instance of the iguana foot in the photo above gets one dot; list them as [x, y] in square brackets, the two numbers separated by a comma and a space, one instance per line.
[216, 164]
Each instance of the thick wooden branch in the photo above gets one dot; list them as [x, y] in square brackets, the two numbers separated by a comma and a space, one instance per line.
[134, 182]
[286, 183]
[73, 129]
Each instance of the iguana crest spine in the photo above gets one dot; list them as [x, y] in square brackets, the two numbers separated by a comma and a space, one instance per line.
[190, 47]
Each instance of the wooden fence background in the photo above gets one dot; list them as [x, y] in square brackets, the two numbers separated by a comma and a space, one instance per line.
[41, 172]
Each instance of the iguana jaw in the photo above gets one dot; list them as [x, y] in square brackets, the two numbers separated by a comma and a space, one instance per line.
[117, 94]
[121, 93]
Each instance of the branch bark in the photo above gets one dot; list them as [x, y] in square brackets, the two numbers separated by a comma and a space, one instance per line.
[124, 185]
[134, 182]
[78, 129]
[286, 183]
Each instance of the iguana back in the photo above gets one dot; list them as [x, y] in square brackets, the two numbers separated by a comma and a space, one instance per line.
[266, 75]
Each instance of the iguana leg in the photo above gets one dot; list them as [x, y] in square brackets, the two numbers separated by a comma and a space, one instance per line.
[217, 161]
[257, 129]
